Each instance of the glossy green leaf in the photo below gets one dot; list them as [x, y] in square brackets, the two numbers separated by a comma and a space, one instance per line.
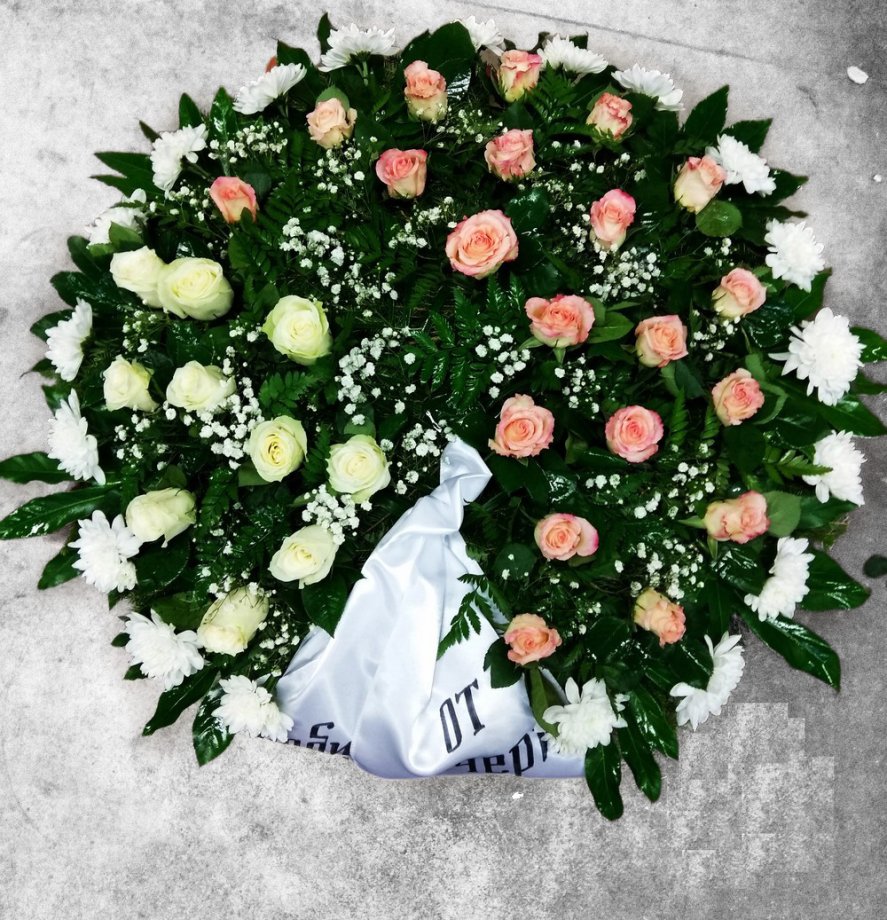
[639, 757]
[652, 722]
[59, 569]
[615, 327]
[157, 567]
[849, 414]
[784, 511]
[517, 559]
[529, 210]
[815, 513]
[751, 133]
[603, 774]
[209, 738]
[325, 601]
[539, 699]
[503, 673]
[707, 119]
[719, 218]
[44, 515]
[183, 610]
[874, 347]
[829, 587]
[35, 467]
[189, 114]
[805, 303]
[800, 647]
[176, 700]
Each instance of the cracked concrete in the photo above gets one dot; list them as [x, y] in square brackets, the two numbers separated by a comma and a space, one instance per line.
[776, 809]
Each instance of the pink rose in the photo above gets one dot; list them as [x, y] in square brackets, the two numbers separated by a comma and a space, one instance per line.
[634, 432]
[518, 73]
[699, 180]
[403, 171]
[737, 397]
[660, 339]
[564, 320]
[524, 428]
[329, 124]
[737, 519]
[481, 243]
[740, 292]
[611, 115]
[611, 216]
[657, 614]
[425, 92]
[510, 155]
[562, 536]
[530, 638]
[233, 196]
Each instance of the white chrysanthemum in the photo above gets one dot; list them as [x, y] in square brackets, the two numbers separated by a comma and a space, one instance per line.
[826, 354]
[742, 165]
[697, 704]
[160, 651]
[345, 44]
[794, 253]
[259, 94]
[128, 213]
[484, 35]
[587, 720]
[652, 83]
[171, 148]
[561, 52]
[70, 442]
[837, 451]
[787, 585]
[247, 707]
[64, 342]
[104, 552]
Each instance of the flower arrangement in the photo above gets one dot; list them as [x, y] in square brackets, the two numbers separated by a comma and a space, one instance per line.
[307, 291]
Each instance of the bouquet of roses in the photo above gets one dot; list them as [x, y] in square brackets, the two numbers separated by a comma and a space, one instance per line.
[313, 287]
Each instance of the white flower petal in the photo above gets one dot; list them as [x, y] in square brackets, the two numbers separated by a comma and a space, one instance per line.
[104, 550]
[794, 253]
[838, 452]
[160, 651]
[65, 341]
[787, 585]
[259, 94]
[742, 165]
[484, 35]
[561, 52]
[346, 43]
[653, 83]
[698, 704]
[71, 444]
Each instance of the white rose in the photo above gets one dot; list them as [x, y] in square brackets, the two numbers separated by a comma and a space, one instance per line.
[299, 329]
[231, 621]
[199, 388]
[138, 271]
[306, 555]
[278, 447]
[126, 386]
[196, 288]
[162, 513]
[358, 467]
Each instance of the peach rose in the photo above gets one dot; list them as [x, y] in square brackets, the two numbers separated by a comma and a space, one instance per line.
[233, 196]
[737, 397]
[329, 124]
[660, 339]
[611, 115]
[510, 155]
[403, 172]
[634, 433]
[524, 429]
[611, 216]
[562, 536]
[740, 292]
[425, 92]
[530, 638]
[481, 243]
[564, 320]
[737, 519]
[699, 180]
[657, 614]
[518, 73]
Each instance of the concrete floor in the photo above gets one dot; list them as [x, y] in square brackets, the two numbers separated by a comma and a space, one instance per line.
[776, 809]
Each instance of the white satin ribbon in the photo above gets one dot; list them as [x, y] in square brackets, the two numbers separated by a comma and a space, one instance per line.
[376, 692]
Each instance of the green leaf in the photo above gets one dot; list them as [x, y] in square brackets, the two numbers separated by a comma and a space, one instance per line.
[719, 218]
[530, 210]
[815, 513]
[210, 739]
[875, 566]
[615, 326]
[503, 672]
[183, 611]
[719, 602]
[158, 566]
[135, 168]
[652, 722]
[448, 50]
[751, 133]
[707, 120]
[784, 511]
[59, 569]
[176, 700]
[829, 587]
[44, 515]
[324, 28]
[539, 701]
[45, 323]
[769, 325]
[745, 446]
[518, 559]
[189, 114]
[639, 757]
[874, 347]
[36, 467]
[325, 600]
[849, 414]
[800, 647]
[603, 773]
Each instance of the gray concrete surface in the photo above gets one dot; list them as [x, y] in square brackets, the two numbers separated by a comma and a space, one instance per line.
[776, 809]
